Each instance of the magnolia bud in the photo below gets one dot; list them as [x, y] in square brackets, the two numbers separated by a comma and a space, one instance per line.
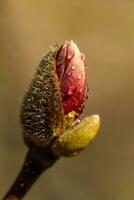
[71, 73]
[55, 99]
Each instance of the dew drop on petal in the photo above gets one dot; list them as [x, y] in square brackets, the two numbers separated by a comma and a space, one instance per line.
[77, 121]
[73, 67]
[79, 77]
[71, 90]
[69, 73]
[80, 90]
[70, 55]
[80, 109]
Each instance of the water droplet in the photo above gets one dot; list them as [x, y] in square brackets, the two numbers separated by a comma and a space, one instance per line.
[86, 97]
[80, 90]
[69, 74]
[76, 104]
[82, 57]
[80, 109]
[73, 67]
[77, 121]
[79, 77]
[70, 54]
[71, 90]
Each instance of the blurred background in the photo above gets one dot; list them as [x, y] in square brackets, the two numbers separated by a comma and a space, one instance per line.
[104, 31]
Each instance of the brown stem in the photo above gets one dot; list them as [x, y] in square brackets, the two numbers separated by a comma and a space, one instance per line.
[37, 160]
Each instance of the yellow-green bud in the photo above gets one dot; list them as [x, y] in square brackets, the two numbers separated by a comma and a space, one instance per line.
[75, 139]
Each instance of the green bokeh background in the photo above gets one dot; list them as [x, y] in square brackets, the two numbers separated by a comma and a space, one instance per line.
[104, 31]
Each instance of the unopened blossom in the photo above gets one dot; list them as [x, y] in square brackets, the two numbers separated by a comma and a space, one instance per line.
[70, 69]
[56, 98]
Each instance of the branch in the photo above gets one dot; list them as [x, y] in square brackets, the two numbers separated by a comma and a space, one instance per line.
[36, 162]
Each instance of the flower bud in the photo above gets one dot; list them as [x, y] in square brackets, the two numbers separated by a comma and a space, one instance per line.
[55, 99]
[75, 139]
[71, 73]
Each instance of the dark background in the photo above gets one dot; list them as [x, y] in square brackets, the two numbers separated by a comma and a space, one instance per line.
[104, 31]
